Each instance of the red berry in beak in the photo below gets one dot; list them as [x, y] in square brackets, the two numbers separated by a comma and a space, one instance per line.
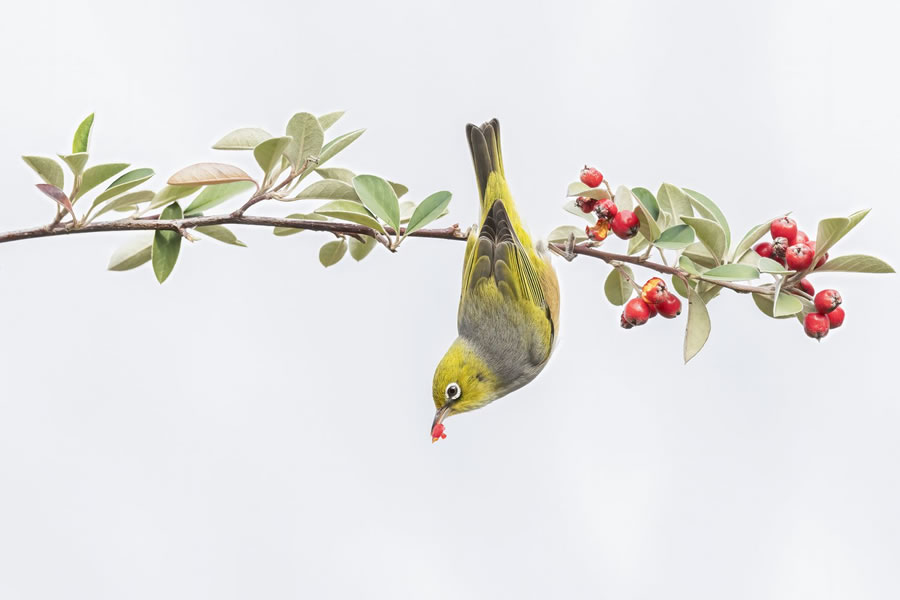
[836, 317]
[816, 325]
[670, 307]
[827, 300]
[654, 291]
[625, 224]
[798, 257]
[784, 227]
[591, 177]
[764, 249]
[437, 433]
[636, 312]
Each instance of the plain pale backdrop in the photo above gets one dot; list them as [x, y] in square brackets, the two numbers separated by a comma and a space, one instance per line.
[257, 427]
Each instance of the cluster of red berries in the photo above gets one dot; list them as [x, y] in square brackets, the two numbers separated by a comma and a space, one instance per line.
[655, 299]
[623, 223]
[829, 314]
[790, 246]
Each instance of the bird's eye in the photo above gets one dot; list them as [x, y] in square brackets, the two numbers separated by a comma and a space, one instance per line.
[452, 391]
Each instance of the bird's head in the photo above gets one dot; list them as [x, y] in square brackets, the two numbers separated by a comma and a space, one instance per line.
[463, 381]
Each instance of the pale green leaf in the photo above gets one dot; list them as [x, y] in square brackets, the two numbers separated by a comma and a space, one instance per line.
[428, 210]
[359, 250]
[570, 207]
[698, 253]
[166, 245]
[710, 234]
[82, 136]
[345, 175]
[308, 137]
[407, 209]
[624, 198]
[347, 210]
[561, 234]
[246, 138]
[214, 195]
[637, 244]
[767, 265]
[686, 264]
[617, 287]
[733, 272]
[96, 175]
[830, 231]
[679, 286]
[674, 202]
[133, 253]
[222, 234]
[329, 119]
[126, 201]
[648, 226]
[47, 169]
[124, 183]
[398, 188]
[751, 238]
[326, 189]
[268, 153]
[709, 210]
[332, 252]
[379, 197]
[579, 189]
[330, 149]
[856, 263]
[171, 193]
[646, 199]
[208, 174]
[76, 162]
[698, 325]
[786, 305]
[675, 238]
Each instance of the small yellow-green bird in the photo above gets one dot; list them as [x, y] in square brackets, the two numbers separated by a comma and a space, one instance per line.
[509, 305]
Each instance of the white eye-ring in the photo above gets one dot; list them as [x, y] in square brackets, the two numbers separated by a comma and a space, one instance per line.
[452, 392]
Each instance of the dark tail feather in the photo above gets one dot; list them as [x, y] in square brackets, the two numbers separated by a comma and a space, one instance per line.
[484, 143]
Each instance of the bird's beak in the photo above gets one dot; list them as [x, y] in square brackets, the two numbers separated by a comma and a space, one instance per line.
[439, 416]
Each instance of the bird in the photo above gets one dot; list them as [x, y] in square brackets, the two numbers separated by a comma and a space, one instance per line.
[508, 317]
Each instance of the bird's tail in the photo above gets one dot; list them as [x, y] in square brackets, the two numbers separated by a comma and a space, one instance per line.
[484, 143]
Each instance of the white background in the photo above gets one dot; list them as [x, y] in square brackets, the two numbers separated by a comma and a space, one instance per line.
[257, 427]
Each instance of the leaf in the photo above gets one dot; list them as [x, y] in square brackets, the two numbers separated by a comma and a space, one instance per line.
[679, 287]
[332, 252]
[222, 234]
[786, 305]
[710, 234]
[708, 209]
[428, 211]
[856, 263]
[398, 188]
[126, 201]
[284, 231]
[124, 183]
[648, 226]
[326, 189]
[166, 245]
[751, 238]
[579, 189]
[617, 287]
[83, 135]
[854, 219]
[674, 201]
[171, 193]
[345, 175]
[561, 234]
[637, 244]
[96, 175]
[675, 238]
[767, 265]
[379, 197]
[407, 209]
[246, 138]
[686, 264]
[215, 195]
[57, 195]
[308, 137]
[698, 253]
[133, 253]
[359, 250]
[624, 198]
[698, 326]
[208, 174]
[830, 231]
[337, 144]
[47, 169]
[329, 119]
[708, 291]
[268, 153]
[76, 162]
[645, 198]
[733, 272]
[347, 210]
[570, 207]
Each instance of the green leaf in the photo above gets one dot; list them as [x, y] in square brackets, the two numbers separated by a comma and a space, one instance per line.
[359, 250]
[379, 197]
[679, 287]
[171, 193]
[710, 234]
[268, 153]
[214, 195]
[648, 226]
[617, 287]
[570, 207]
[407, 209]
[579, 189]
[751, 238]
[767, 265]
[675, 238]
[856, 263]
[246, 138]
[561, 234]
[96, 175]
[624, 198]
[166, 245]
[308, 137]
[222, 234]
[698, 325]
[326, 189]
[674, 201]
[284, 231]
[133, 253]
[76, 162]
[686, 264]
[398, 188]
[708, 210]
[645, 198]
[347, 210]
[47, 169]
[786, 305]
[345, 175]
[337, 144]
[637, 244]
[708, 291]
[329, 119]
[126, 201]
[83, 135]
[208, 174]
[428, 210]
[124, 183]
[733, 272]
[698, 253]
[332, 252]
[830, 231]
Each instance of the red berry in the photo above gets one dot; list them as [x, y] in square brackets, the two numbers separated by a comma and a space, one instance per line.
[822, 260]
[586, 204]
[764, 249]
[654, 291]
[807, 287]
[653, 310]
[636, 312]
[625, 224]
[836, 317]
[625, 324]
[670, 307]
[598, 231]
[802, 238]
[784, 227]
[779, 249]
[591, 177]
[798, 257]
[827, 300]
[437, 433]
[607, 209]
[816, 325]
